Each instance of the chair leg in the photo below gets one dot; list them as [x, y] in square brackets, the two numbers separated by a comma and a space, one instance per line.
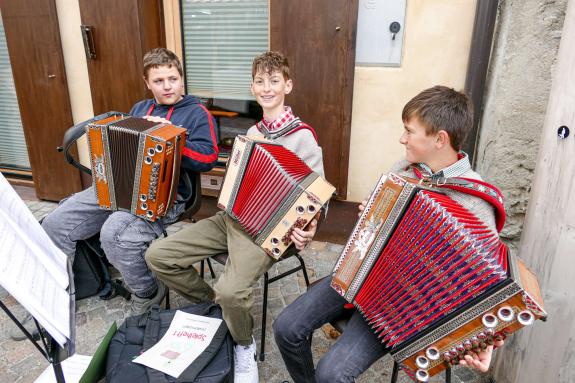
[211, 268]
[394, 372]
[264, 318]
[302, 264]
[167, 298]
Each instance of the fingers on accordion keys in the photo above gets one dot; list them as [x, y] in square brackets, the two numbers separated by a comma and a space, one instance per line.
[422, 376]
[525, 318]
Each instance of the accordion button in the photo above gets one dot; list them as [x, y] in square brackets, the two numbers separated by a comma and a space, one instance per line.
[432, 353]
[276, 251]
[143, 197]
[505, 313]
[274, 241]
[525, 318]
[299, 209]
[422, 376]
[151, 152]
[159, 148]
[148, 160]
[489, 320]
[311, 209]
[422, 362]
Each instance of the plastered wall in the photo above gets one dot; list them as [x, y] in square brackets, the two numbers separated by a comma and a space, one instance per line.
[435, 51]
[76, 67]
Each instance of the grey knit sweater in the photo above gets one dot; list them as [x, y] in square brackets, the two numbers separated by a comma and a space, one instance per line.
[480, 208]
[302, 143]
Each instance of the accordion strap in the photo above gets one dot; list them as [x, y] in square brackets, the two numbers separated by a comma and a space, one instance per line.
[477, 188]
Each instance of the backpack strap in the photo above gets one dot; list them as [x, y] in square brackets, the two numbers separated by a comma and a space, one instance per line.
[151, 337]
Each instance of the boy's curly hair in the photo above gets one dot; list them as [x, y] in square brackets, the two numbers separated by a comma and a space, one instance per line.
[160, 57]
[269, 62]
[442, 108]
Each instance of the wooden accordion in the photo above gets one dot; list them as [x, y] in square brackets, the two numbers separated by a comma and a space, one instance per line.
[270, 191]
[135, 164]
[432, 281]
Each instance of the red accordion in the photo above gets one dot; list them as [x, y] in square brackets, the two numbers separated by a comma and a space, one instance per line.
[432, 280]
[270, 191]
[135, 164]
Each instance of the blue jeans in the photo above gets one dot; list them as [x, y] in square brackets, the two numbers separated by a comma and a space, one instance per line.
[123, 236]
[354, 351]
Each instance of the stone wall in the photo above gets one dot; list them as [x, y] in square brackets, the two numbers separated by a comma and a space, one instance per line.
[524, 52]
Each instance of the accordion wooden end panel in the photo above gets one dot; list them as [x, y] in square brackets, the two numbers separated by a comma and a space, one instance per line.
[135, 164]
[432, 281]
[270, 191]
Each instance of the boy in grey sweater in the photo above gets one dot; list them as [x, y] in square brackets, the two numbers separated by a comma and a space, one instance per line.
[436, 122]
[172, 258]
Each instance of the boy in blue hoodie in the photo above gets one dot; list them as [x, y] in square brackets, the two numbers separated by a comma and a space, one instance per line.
[124, 236]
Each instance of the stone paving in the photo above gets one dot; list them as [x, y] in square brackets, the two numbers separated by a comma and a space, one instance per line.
[21, 362]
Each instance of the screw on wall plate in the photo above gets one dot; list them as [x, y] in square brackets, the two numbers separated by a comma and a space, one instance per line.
[563, 132]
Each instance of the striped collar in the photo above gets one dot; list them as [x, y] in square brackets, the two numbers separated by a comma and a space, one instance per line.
[457, 169]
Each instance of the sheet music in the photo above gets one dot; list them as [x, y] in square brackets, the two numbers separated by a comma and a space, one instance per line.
[32, 269]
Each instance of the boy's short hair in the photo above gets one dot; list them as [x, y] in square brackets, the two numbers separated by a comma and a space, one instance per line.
[269, 62]
[159, 57]
[442, 108]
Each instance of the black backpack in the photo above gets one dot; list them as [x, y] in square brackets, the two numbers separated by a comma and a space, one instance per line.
[138, 333]
[91, 275]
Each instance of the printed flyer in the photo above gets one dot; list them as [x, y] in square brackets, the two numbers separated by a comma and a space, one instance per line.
[188, 336]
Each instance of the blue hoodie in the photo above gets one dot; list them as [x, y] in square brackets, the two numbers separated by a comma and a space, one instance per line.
[201, 149]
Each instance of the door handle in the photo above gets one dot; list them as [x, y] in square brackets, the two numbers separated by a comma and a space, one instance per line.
[88, 38]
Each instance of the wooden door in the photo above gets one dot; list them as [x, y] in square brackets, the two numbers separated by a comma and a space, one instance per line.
[318, 37]
[122, 32]
[33, 39]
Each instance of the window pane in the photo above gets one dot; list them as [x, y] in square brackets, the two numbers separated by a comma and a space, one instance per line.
[221, 38]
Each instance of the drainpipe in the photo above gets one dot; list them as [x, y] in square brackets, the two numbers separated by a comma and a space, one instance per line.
[481, 41]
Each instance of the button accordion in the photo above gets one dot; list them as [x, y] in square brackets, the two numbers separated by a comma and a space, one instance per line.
[270, 191]
[432, 281]
[135, 164]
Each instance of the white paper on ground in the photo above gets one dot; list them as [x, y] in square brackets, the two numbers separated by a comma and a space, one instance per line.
[73, 369]
[188, 336]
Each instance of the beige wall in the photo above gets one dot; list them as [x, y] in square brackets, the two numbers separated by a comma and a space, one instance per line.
[76, 67]
[435, 51]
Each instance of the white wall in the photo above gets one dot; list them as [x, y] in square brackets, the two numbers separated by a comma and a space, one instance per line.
[435, 52]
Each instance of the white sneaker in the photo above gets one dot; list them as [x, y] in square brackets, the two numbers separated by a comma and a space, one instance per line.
[246, 366]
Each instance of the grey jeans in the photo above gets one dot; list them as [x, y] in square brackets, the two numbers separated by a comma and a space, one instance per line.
[123, 236]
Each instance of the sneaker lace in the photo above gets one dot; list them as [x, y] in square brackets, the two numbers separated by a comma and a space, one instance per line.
[244, 357]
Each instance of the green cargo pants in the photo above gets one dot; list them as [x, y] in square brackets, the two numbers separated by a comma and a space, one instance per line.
[172, 259]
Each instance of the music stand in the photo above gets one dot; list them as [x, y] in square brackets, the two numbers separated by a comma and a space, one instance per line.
[50, 349]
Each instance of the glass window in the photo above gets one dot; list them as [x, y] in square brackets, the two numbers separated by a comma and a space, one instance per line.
[13, 151]
[220, 39]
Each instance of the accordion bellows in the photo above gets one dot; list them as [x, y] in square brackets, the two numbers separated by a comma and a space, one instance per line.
[135, 164]
[270, 191]
[432, 280]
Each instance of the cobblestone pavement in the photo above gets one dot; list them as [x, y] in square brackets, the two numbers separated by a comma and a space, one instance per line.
[21, 362]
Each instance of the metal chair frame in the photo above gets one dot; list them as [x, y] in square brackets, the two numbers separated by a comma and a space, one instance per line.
[222, 258]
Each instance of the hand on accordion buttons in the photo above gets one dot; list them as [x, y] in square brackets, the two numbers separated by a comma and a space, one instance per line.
[482, 360]
[157, 119]
[301, 238]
